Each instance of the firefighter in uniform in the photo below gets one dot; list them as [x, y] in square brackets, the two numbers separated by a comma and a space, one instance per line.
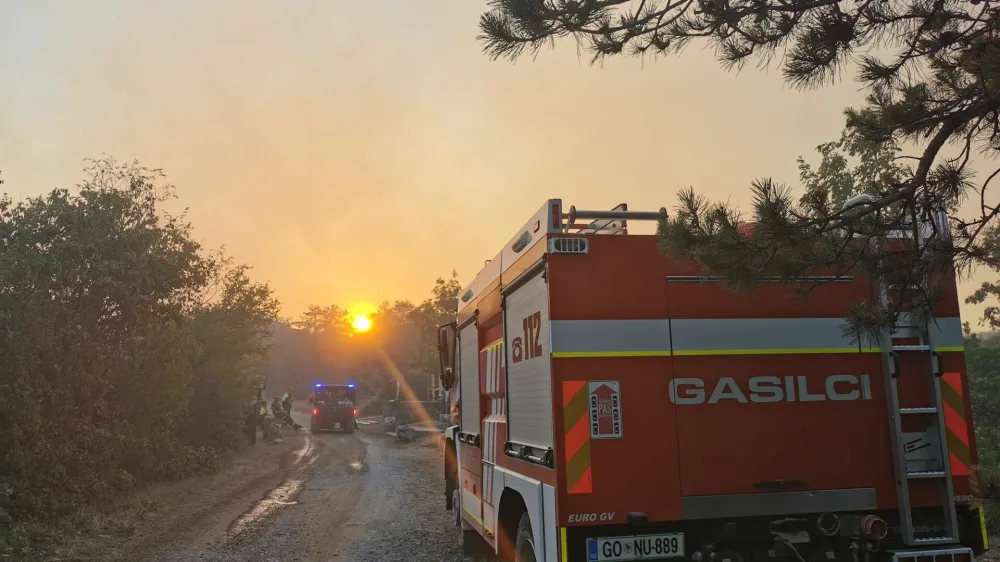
[271, 432]
[262, 412]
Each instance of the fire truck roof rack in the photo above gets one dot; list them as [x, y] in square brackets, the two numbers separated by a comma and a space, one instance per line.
[616, 214]
[608, 222]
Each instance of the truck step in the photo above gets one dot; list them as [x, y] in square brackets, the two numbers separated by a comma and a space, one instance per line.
[921, 552]
[934, 540]
[954, 554]
[923, 410]
[915, 475]
[911, 348]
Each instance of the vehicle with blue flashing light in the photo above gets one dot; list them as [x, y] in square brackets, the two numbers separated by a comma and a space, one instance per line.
[334, 408]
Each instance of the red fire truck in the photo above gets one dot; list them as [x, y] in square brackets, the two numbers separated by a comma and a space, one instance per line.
[616, 404]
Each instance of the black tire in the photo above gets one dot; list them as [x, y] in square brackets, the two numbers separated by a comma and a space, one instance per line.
[313, 430]
[349, 429]
[524, 545]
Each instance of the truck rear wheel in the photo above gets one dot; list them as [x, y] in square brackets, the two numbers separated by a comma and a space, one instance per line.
[524, 546]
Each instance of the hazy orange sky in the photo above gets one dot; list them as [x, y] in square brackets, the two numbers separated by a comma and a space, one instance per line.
[356, 151]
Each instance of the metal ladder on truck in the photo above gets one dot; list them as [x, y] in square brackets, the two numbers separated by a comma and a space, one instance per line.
[918, 456]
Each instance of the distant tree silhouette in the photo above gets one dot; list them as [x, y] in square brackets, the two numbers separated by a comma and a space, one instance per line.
[321, 346]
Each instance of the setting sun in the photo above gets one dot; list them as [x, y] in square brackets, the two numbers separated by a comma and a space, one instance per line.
[361, 323]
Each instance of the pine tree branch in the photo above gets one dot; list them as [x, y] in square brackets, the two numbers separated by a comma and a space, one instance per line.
[940, 85]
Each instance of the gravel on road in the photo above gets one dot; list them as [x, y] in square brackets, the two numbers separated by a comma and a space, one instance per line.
[350, 498]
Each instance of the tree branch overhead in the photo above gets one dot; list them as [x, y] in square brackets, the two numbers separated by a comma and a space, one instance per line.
[940, 86]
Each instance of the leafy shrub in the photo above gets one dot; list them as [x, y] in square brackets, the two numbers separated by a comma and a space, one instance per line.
[127, 349]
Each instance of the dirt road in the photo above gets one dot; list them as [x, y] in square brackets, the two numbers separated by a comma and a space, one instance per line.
[336, 497]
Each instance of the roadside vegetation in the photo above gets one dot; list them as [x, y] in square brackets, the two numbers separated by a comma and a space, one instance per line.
[982, 356]
[131, 352]
[127, 347]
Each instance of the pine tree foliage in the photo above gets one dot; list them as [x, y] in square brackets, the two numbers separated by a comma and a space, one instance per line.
[849, 167]
[937, 89]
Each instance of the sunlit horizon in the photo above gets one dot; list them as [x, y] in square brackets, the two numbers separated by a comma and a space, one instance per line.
[357, 152]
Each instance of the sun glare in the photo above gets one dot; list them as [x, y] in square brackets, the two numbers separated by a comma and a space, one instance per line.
[362, 323]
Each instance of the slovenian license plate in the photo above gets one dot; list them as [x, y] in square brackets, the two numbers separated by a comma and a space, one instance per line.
[639, 547]
[336, 426]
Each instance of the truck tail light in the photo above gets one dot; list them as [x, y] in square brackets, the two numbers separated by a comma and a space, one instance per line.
[355, 411]
[315, 411]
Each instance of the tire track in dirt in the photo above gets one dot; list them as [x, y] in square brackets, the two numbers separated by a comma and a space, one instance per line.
[225, 525]
[333, 495]
[300, 520]
[336, 497]
[206, 519]
[281, 496]
[400, 514]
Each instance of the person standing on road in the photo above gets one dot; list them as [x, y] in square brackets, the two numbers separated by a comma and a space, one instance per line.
[270, 429]
[286, 399]
[261, 412]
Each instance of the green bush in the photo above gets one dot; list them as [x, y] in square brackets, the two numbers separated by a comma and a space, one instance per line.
[988, 484]
[127, 349]
[982, 356]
